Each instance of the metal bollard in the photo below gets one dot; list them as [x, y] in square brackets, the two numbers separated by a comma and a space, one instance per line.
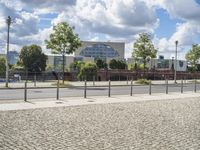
[109, 89]
[182, 86]
[25, 91]
[127, 80]
[150, 88]
[85, 89]
[93, 80]
[195, 85]
[35, 78]
[131, 87]
[58, 87]
[166, 82]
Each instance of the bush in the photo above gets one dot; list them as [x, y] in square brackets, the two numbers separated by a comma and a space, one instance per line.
[143, 81]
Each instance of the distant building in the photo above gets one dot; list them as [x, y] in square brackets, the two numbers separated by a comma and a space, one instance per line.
[161, 64]
[101, 50]
[13, 57]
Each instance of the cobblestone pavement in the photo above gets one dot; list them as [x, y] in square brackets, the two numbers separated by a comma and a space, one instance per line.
[147, 125]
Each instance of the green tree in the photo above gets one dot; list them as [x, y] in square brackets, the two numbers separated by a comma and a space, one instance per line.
[63, 41]
[87, 71]
[117, 64]
[143, 47]
[192, 56]
[32, 58]
[101, 64]
[2, 66]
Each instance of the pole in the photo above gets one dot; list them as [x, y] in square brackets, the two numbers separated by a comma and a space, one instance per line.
[35, 80]
[166, 86]
[109, 88]
[182, 86]
[8, 21]
[150, 88]
[131, 87]
[58, 86]
[175, 68]
[195, 85]
[85, 89]
[25, 91]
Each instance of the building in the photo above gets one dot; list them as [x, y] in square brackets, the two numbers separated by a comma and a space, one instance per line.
[13, 57]
[161, 64]
[101, 50]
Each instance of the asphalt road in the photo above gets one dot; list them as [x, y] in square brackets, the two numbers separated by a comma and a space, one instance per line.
[39, 93]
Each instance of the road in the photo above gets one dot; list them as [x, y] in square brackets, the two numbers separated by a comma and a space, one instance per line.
[39, 93]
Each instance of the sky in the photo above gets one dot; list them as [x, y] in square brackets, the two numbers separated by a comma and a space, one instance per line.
[104, 20]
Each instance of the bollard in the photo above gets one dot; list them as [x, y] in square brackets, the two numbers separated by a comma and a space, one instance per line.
[195, 85]
[25, 91]
[35, 78]
[58, 86]
[131, 87]
[85, 89]
[109, 89]
[127, 80]
[150, 88]
[166, 82]
[93, 80]
[182, 86]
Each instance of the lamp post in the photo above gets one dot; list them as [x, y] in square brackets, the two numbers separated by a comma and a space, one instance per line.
[175, 68]
[8, 21]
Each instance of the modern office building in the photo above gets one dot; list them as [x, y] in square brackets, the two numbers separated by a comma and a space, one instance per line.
[101, 50]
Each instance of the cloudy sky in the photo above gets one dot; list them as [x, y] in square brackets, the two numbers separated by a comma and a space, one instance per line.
[104, 20]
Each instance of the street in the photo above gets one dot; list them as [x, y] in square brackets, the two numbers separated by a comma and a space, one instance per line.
[39, 93]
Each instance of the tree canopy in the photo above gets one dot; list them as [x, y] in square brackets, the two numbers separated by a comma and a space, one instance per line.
[32, 58]
[2, 66]
[101, 64]
[143, 47]
[192, 56]
[63, 41]
[87, 71]
[117, 64]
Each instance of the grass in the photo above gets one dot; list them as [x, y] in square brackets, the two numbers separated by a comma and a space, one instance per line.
[143, 81]
[66, 84]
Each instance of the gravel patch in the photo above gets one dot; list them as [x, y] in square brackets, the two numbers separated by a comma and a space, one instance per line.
[147, 125]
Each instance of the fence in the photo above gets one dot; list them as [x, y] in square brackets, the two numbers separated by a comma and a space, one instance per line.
[109, 89]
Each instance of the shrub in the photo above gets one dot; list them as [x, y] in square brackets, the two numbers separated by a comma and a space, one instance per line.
[143, 81]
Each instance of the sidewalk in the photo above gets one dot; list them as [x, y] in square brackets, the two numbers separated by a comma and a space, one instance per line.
[52, 84]
[75, 101]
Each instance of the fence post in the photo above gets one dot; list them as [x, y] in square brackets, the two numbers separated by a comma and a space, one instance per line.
[150, 87]
[109, 88]
[93, 80]
[25, 91]
[166, 82]
[35, 80]
[131, 87]
[58, 87]
[182, 86]
[195, 85]
[85, 89]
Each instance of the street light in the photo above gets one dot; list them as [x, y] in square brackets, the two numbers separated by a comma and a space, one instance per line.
[175, 68]
[8, 21]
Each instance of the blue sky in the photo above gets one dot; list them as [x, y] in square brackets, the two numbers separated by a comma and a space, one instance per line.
[104, 20]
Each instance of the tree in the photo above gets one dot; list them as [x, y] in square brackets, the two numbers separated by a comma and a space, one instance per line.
[101, 64]
[32, 58]
[192, 56]
[143, 47]
[2, 66]
[63, 41]
[87, 71]
[117, 64]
